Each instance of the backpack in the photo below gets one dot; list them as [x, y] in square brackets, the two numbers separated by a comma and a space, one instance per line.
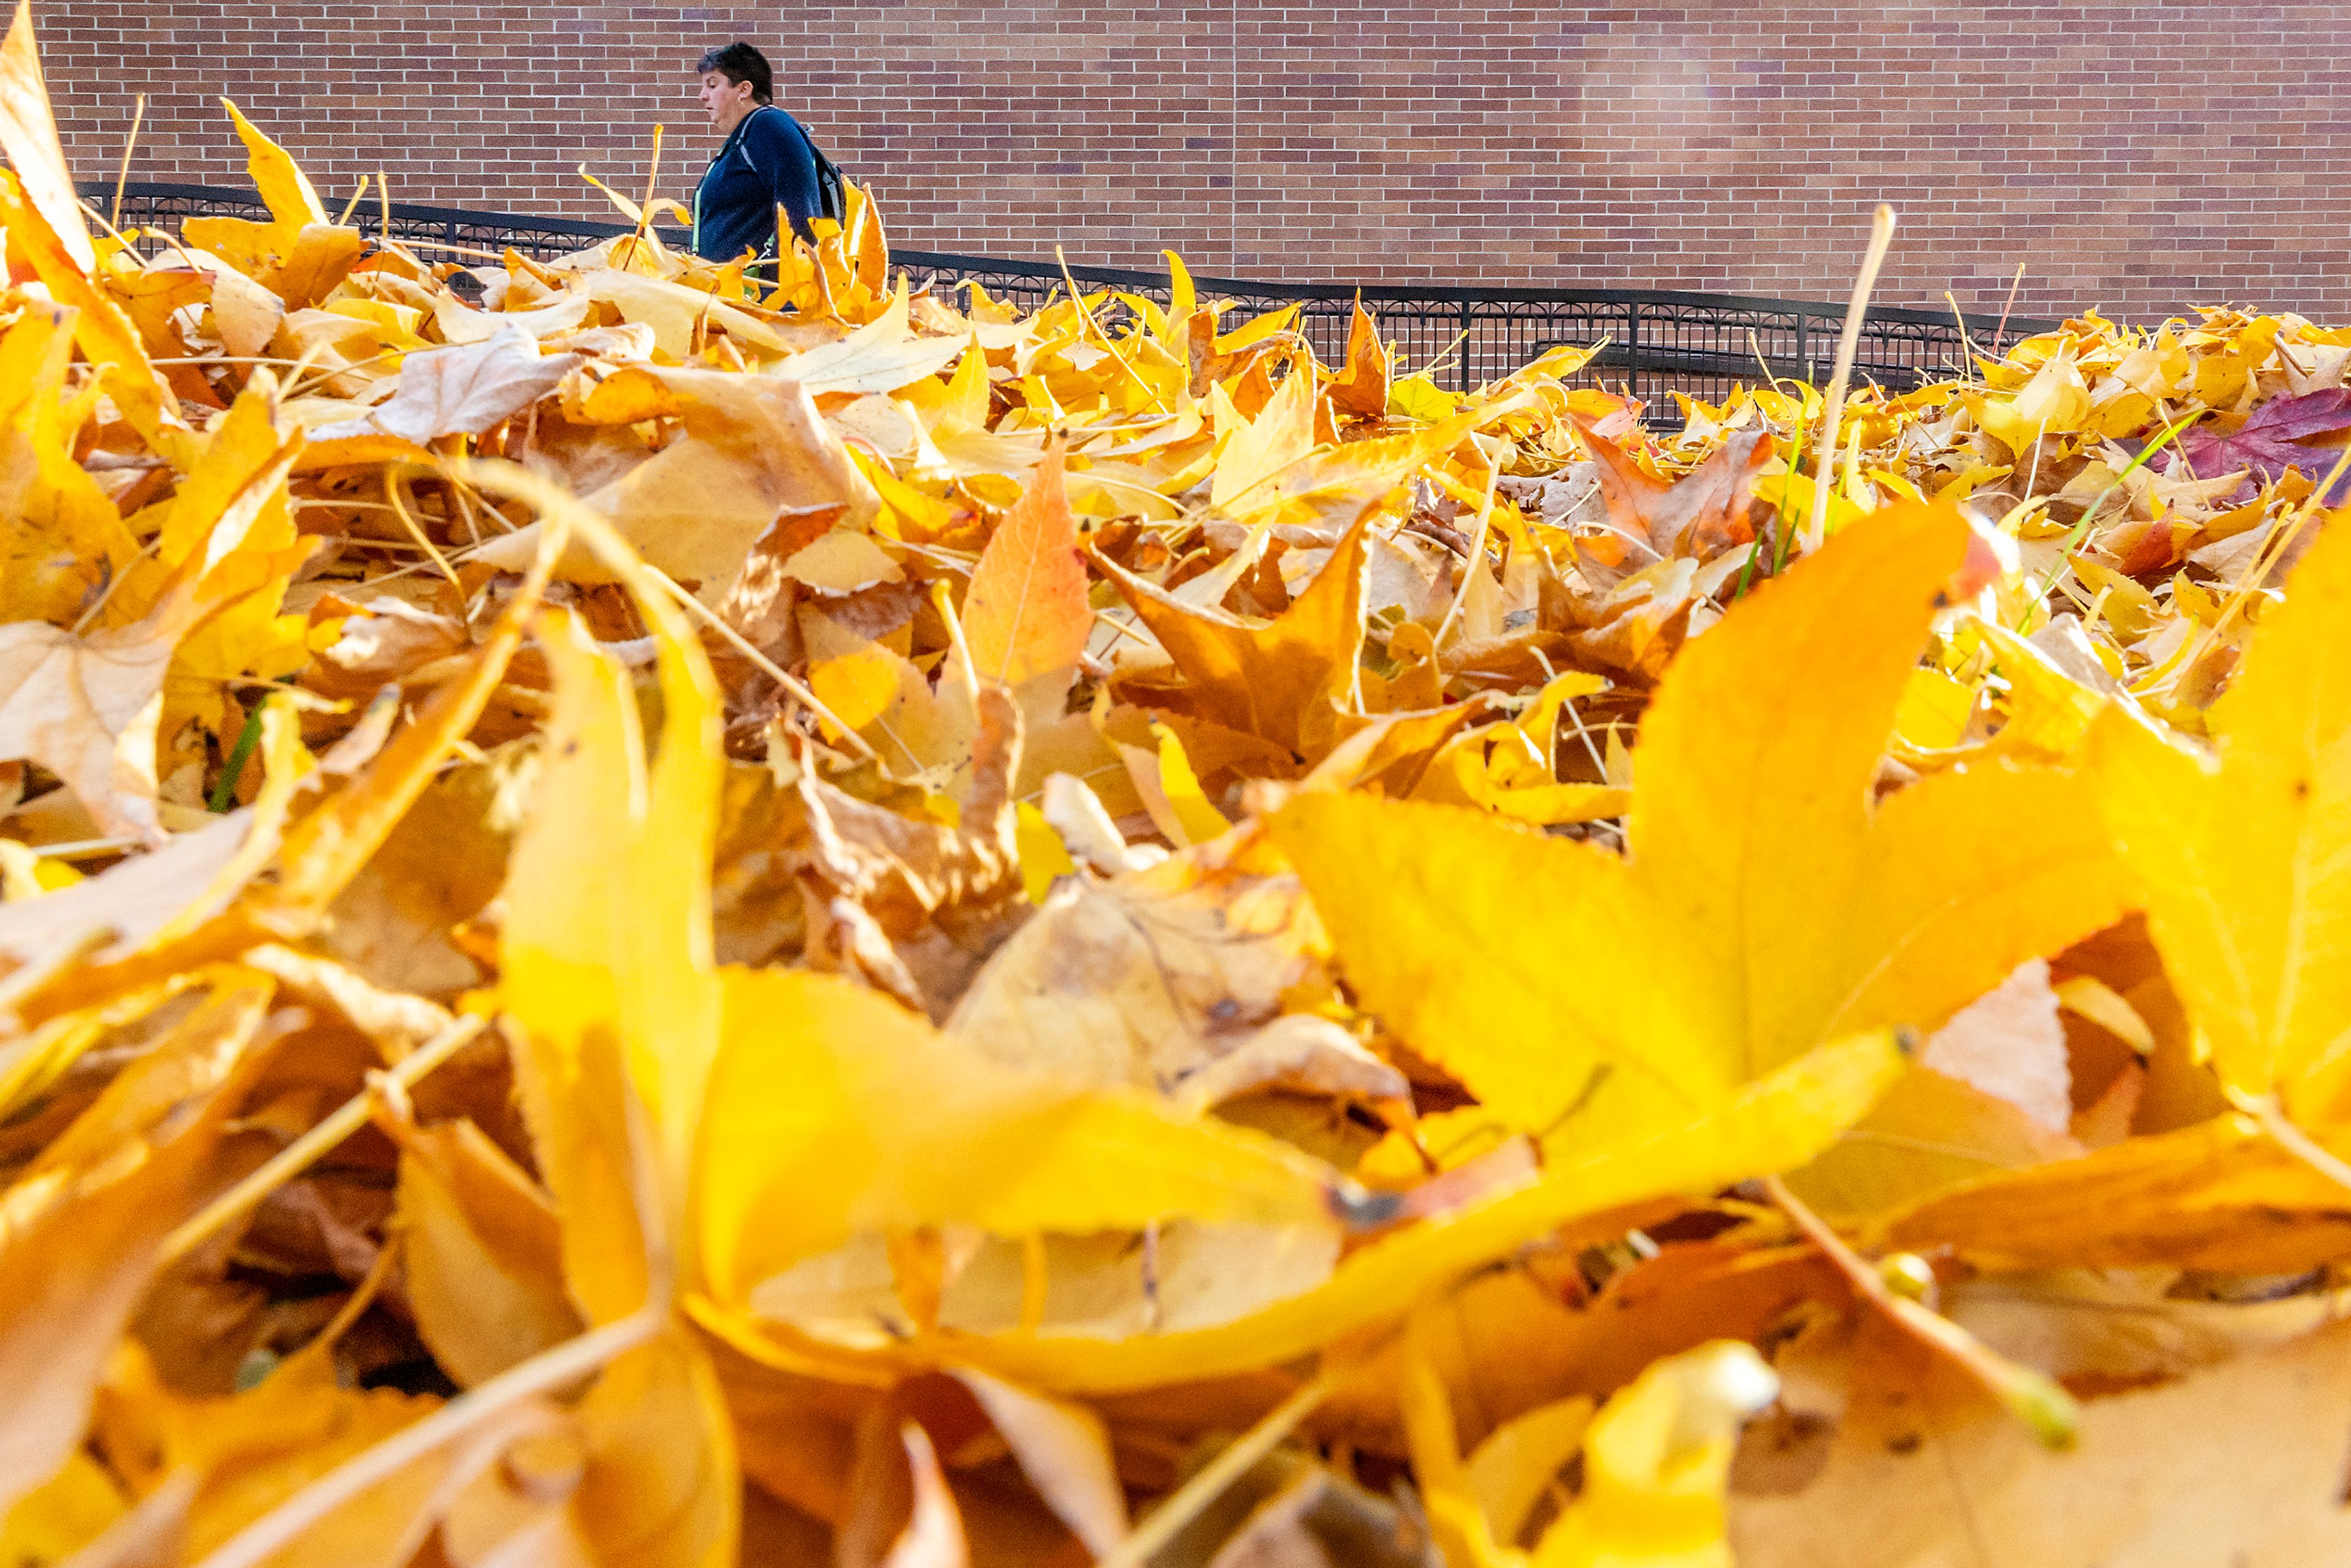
[831, 197]
[832, 201]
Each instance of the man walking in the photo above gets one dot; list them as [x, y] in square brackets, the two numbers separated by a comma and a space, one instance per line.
[765, 162]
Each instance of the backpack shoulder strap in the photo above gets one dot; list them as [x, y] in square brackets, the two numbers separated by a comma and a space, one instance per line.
[829, 182]
[831, 202]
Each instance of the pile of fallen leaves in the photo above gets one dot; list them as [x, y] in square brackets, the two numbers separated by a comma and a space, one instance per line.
[656, 918]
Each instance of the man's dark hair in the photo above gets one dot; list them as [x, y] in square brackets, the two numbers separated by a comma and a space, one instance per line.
[740, 62]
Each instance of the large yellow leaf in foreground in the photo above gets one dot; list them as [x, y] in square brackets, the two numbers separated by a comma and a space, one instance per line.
[607, 950]
[833, 1111]
[1785, 1118]
[607, 972]
[2247, 864]
[1765, 904]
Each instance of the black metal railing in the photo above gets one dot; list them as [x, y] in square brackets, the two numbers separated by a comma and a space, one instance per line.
[1658, 342]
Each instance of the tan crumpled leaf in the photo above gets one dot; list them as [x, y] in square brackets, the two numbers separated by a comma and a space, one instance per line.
[753, 448]
[2240, 1464]
[1154, 977]
[879, 357]
[1696, 517]
[463, 390]
[87, 707]
[944, 896]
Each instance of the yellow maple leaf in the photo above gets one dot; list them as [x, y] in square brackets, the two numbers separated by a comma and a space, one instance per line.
[1763, 905]
[2056, 400]
[1785, 1117]
[2241, 860]
[606, 962]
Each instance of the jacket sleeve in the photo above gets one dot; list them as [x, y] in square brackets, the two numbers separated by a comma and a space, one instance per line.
[781, 152]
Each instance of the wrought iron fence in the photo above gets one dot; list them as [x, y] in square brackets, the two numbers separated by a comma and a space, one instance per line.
[1657, 342]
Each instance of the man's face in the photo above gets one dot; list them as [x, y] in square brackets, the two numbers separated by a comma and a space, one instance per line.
[724, 101]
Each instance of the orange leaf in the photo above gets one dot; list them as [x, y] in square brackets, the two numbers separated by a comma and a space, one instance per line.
[1362, 388]
[1027, 613]
[1265, 677]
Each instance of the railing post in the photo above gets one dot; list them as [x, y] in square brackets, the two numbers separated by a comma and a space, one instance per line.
[1465, 383]
[1632, 348]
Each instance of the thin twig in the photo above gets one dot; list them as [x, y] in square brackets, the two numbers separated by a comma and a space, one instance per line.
[943, 601]
[645, 208]
[298, 1155]
[1960, 321]
[123, 171]
[1087, 315]
[1477, 561]
[2291, 1138]
[352, 205]
[1755, 347]
[1188, 1501]
[115, 581]
[2032, 1397]
[391, 486]
[452, 246]
[773, 671]
[80, 847]
[1583, 733]
[1881, 235]
[1999, 333]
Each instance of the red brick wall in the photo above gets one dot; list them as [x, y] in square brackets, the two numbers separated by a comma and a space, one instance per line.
[2142, 157]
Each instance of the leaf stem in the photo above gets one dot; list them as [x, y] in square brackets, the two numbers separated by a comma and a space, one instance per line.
[123, 171]
[299, 1154]
[1476, 563]
[1881, 236]
[1188, 1501]
[2292, 1139]
[1087, 315]
[799, 693]
[2030, 1395]
[223, 793]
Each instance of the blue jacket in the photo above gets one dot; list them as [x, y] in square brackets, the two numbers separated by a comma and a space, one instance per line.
[767, 162]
